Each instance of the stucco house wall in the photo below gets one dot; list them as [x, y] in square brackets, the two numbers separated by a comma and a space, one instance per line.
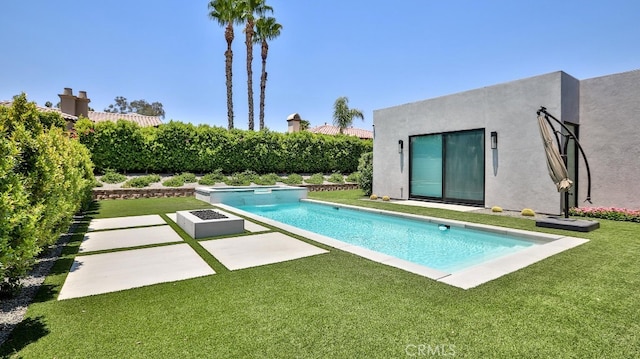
[515, 174]
[610, 136]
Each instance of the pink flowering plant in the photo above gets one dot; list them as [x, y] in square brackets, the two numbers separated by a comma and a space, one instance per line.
[612, 213]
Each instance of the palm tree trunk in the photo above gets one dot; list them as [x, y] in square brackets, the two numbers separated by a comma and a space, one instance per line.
[263, 81]
[249, 43]
[228, 34]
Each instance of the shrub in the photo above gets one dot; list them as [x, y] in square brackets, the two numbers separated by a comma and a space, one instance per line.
[110, 176]
[354, 177]
[496, 209]
[612, 213]
[267, 180]
[175, 181]
[212, 178]
[237, 179]
[317, 178]
[178, 147]
[386, 198]
[336, 177]
[242, 179]
[142, 181]
[188, 177]
[373, 197]
[293, 179]
[45, 177]
[528, 212]
[365, 167]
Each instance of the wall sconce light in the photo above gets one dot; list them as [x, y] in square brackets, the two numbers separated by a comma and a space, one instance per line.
[494, 140]
[400, 146]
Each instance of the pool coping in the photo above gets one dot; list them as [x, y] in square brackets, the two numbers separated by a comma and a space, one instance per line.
[548, 245]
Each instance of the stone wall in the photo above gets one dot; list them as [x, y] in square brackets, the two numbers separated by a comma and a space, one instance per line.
[129, 193]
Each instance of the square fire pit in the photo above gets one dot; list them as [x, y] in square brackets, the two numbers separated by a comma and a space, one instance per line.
[209, 223]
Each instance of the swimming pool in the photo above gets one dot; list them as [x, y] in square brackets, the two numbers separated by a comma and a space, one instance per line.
[535, 246]
[443, 247]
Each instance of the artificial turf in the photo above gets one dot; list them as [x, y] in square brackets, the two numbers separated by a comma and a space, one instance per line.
[581, 303]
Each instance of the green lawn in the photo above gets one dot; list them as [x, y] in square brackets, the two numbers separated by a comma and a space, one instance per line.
[582, 303]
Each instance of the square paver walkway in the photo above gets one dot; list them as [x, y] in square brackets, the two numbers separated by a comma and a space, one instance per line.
[258, 249]
[125, 238]
[125, 222]
[110, 272]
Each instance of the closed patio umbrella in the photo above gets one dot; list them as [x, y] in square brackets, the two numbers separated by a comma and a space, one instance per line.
[555, 164]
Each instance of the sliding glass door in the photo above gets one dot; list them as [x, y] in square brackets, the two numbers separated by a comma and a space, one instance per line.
[426, 166]
[448, 167]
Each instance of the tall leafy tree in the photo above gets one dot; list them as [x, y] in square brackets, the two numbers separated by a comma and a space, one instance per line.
[250, 9]
[343, 115]
[141, 107]
[227, 13]
[266, 29]
[121, 105]
[304, 125]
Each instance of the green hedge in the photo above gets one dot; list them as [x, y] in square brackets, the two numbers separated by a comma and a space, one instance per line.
[365, 170]
[178, 147]
[45, 177]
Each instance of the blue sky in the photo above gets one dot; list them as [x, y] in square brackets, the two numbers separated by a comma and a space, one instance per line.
[377, 53]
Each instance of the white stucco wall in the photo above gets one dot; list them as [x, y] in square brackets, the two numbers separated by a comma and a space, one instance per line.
[515, 174]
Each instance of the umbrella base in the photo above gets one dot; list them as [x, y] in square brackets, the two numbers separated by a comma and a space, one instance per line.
[570, 224]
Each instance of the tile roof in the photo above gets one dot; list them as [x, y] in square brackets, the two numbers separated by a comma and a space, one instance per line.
[142, 120]
[333, 130]
[97, 116]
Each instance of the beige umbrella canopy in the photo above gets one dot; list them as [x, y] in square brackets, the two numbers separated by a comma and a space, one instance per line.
[555, 164]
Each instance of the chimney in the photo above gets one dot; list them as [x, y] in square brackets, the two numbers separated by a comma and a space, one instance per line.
[68, 102]
[293, 122]
[82, 104]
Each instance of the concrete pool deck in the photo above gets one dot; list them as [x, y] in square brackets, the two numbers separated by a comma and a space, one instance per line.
[110, 257]
[547, 246]
[98, 269]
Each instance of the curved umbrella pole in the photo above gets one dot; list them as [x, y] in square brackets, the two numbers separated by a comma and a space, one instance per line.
[550, 117]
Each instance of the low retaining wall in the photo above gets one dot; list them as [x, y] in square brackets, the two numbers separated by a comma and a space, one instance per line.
[129, 193]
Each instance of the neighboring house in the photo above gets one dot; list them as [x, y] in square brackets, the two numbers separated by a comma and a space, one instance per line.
[293, 121]
[351, 131]
[79, 106]
[440, 149]
[72, 107]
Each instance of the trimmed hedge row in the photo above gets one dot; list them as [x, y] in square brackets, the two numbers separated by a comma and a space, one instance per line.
[179, 147]
[45, 177]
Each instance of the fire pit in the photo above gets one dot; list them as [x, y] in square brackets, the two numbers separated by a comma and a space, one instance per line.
[209, 223]
[208, 214]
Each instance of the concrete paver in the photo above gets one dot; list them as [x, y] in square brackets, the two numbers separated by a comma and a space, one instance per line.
[125, 238]
[125, 222]
[110, 272]
[258, 249]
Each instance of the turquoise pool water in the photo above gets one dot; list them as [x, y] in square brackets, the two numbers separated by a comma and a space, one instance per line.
[446, 249]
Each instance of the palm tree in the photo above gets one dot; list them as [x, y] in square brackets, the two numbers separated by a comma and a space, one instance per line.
[249, 10]
[227, 13]
[266, 29]
[343, 115]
